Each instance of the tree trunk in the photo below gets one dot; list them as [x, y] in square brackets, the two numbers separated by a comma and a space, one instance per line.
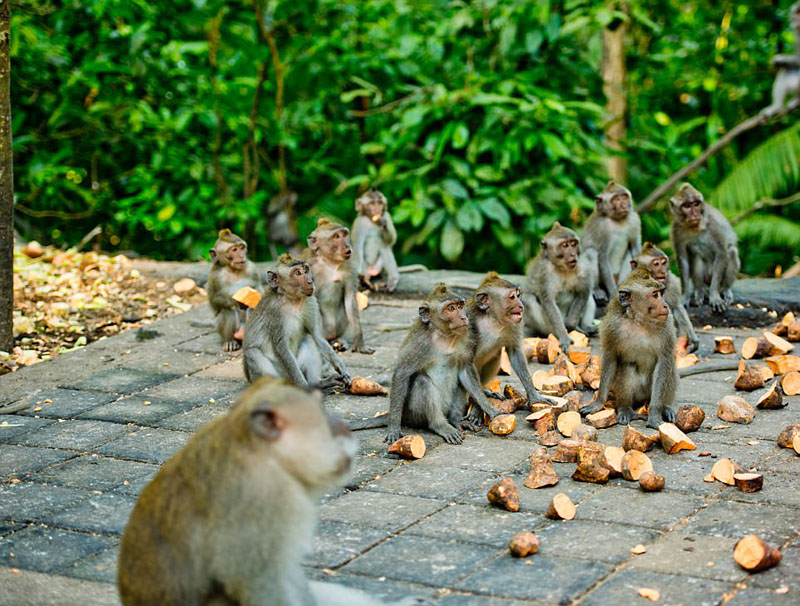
[6, 184]
[614, 73]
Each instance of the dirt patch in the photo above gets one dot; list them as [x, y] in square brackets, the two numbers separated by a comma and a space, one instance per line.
[733, 317]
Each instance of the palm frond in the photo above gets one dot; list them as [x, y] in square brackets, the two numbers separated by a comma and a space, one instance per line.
[770, 230]
[769, 171]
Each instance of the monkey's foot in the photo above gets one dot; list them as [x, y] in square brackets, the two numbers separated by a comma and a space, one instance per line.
[626, 415]
[591, 407]
[472, 421]
[697, 299]
[669, 415]
[590, 331]
[392, 436]
[727, 296]
[232, 345]
[493, 394]
[717, 304]
[365, 349]
[450, 434]
[539, 397]
[692, 345]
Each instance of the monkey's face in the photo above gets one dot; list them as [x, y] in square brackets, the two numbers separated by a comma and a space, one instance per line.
[658, 268]
[236, 256]
[794, 16]
[657, 307]
[300, 280]
[565, 254]
[619, 207]
[690, 212]
[454, 316]
[374, 207]
[336, 246]
[513, 305]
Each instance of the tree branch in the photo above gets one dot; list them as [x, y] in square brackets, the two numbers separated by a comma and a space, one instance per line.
[768, 203]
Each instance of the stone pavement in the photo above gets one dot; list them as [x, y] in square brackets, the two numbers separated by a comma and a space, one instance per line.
[106, 416]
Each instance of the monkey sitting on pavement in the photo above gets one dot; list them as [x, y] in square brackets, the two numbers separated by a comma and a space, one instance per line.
[705, 249]
[283, 337]
[615, 232]
[558, 291]
[230, 517]
[231, 270]
[373, 237]
[787, 80]
[328, 254]
[637, 341]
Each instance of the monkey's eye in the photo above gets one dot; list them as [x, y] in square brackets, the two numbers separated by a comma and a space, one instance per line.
[461, 304]
[451, 308]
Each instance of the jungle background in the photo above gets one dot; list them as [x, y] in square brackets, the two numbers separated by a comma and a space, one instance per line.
[482, 121]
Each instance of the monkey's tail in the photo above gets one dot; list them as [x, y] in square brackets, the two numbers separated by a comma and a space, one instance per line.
[409, 269]
[381, 421]
[700, 369]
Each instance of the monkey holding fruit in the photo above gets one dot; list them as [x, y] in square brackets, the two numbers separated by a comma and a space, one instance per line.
[373, 237]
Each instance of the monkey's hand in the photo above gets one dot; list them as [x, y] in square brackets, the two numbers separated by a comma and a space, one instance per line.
[600, 296]
[565, 342]
[591, 407]
[361, 348]
[626, 415]
[392, 436]
[473, 421]
[697, 297]
[365, 279]
[536, 396]
[493, 394]
[717, 303]
[450, 434]
[692, 345]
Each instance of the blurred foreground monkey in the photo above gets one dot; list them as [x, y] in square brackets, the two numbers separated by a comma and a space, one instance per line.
[373, 238]
[329, 255]
[231, 270]
[787, 80]
[558, 292]
[655, 260]
[615, 232]
[283, 337]
[705, 249]
[495, 319]
[230, 517]
[637, 341]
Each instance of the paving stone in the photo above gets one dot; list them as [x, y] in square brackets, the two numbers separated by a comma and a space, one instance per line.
[27, 588]
[196, 391]
[466, 599]
[434, 482]
[387, 511]
[623, 588]
[780, 459]
[14, 426]
[101, 567]
[369, 469]
[486, 525]
[93, 472]
[379, 588]
[132, 409]
[74, 435]
[603, 541]
[205, 343]
[337, 543]
[358, 408]
[786, 574]
[228, 370]
[754, 596]
[544, 578]
[653, 509]
[101, 513]
[779, 489]
[687, 554]
[48, 549]
[429, 561]
[171, 361]
[17, 461]
[122, 381]
[152, 445]
[194, 418]
[134, 487]
[29, 502]
[773, 523]
[66, 403]
[481, 454]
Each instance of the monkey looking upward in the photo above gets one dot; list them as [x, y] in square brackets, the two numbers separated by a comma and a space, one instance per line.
[328, 254]
[615, 232]
[637, 341]
[283, 337]
[654, 260]
[495, 319]
[230, 271]
[705, 249]
[559, 286]
[373, 238]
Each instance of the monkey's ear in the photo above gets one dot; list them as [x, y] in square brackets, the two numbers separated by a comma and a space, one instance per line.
[598, 199]
[213, 254]
[556, 224]
[634, 264]
[267, 423]
[312, 243]
[272, 279]
[483, 300]
[624, 297]
[425, 314]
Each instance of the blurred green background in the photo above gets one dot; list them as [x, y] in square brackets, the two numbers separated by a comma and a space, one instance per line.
[481, 121]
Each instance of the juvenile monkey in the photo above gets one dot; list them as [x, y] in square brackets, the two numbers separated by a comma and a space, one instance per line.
[373, 238]
[495, 319]
[615, 232]
[787, 80]
[654, 260]
[229, 518]
[705, 249]
[283, 337]
[328, 254]
[230, 271]
[559, 287]
[637, 340]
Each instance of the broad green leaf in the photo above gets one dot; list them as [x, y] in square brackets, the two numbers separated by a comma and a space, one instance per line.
[452, 242]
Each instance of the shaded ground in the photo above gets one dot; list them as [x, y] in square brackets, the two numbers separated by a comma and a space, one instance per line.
[105, 416]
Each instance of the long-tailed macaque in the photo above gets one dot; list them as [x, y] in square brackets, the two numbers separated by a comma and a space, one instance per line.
[230, 517]
[705, 249]
[637, 340]
[559, 287]
[787, 80]
[655, 260]
[495, 319]
[373, 238]
[283, 337]
[615, 232]
[230, 271]
[328, 254]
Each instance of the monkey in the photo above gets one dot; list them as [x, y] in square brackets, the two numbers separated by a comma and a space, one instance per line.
[614, 230]
[229, 518]
[655, 260]
[637, 340]
[373, 237]
[787, 80]
[283, 337]
[495, 318]
[328, 254]
[230, 271]
[282, 227]
[559, 286]
[705, 249]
